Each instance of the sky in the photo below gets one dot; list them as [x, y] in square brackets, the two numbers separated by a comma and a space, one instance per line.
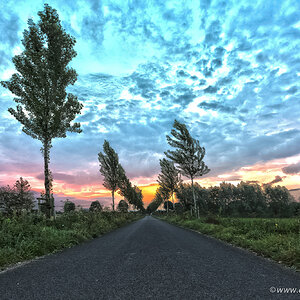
[227, 69]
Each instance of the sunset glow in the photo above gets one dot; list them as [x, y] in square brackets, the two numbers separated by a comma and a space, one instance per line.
[229, 71]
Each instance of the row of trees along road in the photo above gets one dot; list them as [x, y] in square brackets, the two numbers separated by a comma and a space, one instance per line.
[95, 206]
[185, 160]
[44, 108]
[241, 200]
[115, 179]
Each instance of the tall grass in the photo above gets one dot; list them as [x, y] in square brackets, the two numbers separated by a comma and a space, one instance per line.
[29, 236]
[278, 239]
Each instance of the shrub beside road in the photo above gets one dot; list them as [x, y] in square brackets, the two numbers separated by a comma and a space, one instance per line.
[29, 236]
[278, 239]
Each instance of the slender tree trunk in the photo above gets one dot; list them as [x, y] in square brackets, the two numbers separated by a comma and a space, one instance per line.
[113, 199]
[47, 179]
[173, 202]
[53, 214]
[194, 198]
[167, 207]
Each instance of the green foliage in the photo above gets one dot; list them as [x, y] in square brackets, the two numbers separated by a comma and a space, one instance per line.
[17, 198]
[132, 194]
[156, 202]
[295, 208]
[123, 206]
[126, 189]
[25, 197]
[96, 206]
[138, 198]
[169, 178]
[111, 169]
[185, 195]
[245, 199]
[69, 206]
[161, 195]
[7, 199]
[274, 238]
[178, 208]
[44, 108]
[279, 200]
[168, 205]
[29, 236]
[188, 154]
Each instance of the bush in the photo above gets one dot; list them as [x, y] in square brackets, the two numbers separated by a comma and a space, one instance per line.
[27, 236]
[123, 206]
[212, 220]
[96, 206]
[69, 206]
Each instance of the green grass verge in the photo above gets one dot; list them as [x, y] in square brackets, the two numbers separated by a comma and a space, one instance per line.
[29, 236]
[278, 239]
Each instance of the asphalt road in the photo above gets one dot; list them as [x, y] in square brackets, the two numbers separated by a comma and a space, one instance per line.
[149, 259]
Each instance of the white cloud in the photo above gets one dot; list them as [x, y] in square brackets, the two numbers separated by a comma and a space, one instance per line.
[240, 59]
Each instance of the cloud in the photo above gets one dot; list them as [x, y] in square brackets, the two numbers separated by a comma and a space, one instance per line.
[92, 26]
[79, 178]
[230, 178]
[210, 89]
[9, 29]
[228, 70]
[252, 181]
[4, 58]
[292, 169]
[275, 180]
[217, 105]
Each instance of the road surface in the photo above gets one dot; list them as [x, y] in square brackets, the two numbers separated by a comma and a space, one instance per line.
[149, 259]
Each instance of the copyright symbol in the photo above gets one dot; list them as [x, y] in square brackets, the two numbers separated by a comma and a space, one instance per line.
[272, 289]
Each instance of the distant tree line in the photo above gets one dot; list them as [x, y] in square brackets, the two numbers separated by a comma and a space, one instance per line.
[95, 206]
[243, 200]
[19, 199]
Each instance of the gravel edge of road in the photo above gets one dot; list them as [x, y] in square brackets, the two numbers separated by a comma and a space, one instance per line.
[249, 251]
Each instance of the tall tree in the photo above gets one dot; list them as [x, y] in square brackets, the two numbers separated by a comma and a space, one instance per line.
[24, 195]
[159, 198]
[44, 107]
[111, 169]
[164, 194]
[188, 155]
[169, 178]
[125, 188]
[131, 193]
[138, 198]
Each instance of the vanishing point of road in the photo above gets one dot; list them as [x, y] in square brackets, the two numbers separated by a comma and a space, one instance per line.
[149, 259]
